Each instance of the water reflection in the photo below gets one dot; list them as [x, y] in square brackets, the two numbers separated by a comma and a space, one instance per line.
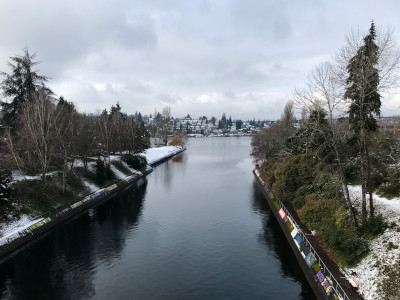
[275, 241]
[62, 264]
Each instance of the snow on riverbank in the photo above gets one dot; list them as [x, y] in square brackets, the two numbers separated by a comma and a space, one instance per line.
[10, 231]
[381, 254]
[154, 154]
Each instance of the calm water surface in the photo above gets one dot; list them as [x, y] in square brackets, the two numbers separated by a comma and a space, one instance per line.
[195, 228]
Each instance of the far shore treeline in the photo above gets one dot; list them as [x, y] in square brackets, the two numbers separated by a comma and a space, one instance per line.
[341, 141]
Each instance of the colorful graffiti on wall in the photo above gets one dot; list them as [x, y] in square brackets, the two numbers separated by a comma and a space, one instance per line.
[308, 256]
[39, 223]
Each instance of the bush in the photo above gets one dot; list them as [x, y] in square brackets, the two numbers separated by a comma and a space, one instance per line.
[329, 219]
[391, 188]
[103, 172]
[176, 140]
[136, 162]
[99, 176]
[294, 172]
[5, 186]
[374, 226]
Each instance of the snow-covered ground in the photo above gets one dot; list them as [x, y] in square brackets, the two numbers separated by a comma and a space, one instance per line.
[367, 271]
[154, 154]
[10, 231]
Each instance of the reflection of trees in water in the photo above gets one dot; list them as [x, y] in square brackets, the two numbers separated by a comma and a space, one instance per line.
[115, 219]
[62, 264]
[180, 158]
[275, 241]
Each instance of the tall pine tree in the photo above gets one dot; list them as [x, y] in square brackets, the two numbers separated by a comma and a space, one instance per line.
[19, 85]
[362, 90]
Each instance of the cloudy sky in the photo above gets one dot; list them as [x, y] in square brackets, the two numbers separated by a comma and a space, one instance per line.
[241, 57]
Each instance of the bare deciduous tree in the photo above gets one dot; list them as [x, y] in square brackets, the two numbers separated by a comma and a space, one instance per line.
[324, 92]
[38, 121]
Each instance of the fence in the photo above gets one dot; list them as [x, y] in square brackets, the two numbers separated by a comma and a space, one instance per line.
[335, 284]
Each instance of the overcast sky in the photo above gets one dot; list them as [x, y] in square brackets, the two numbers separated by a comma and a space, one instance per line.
[243, 58]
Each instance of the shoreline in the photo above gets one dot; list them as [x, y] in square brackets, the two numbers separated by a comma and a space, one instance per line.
[59, 215]
[326, 283]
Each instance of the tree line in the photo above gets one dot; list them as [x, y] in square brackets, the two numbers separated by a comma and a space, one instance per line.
[41, 133]
[339, 142]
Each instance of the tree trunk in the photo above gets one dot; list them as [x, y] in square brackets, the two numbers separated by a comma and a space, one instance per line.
[344, 181]
[346, 188]
[347, 194]
[363, 182]
[369, 185]
[64, 172]
[85, 163]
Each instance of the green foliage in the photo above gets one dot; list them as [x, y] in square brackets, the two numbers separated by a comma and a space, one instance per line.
[103, 172]
[100, 171]
[5, 186]
[374, 226]
[391, 188]
[137, 162]
[329, 219]
[363, 84]
[27, 193]
[268, 169]
[19, 85]
[294, 172]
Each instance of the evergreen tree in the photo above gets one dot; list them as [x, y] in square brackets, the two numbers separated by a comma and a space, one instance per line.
[5, 186]
[362, 90]
[363, 84]
[213, 120]
[19, 85]
[223, 123]
[139, 118]
[115, 110]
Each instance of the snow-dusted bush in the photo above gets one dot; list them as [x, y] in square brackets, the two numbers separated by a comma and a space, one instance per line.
[137, 162]
[5, 186]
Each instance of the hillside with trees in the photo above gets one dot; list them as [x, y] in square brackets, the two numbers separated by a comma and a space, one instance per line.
[341, 142]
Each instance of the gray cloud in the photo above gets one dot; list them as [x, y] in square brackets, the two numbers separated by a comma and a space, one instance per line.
[199, 57]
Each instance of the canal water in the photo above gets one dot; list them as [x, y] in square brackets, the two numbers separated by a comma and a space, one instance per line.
[195, 228]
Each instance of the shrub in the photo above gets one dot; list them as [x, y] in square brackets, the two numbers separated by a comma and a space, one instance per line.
[374, 226]
[176, 140]
[294, 172]
[391, 188]
[329, 219]
[5, 186]
[103, 172]
[137, 162]
[100, 168]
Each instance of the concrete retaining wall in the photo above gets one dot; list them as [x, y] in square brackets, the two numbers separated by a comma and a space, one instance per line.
[323, 286]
